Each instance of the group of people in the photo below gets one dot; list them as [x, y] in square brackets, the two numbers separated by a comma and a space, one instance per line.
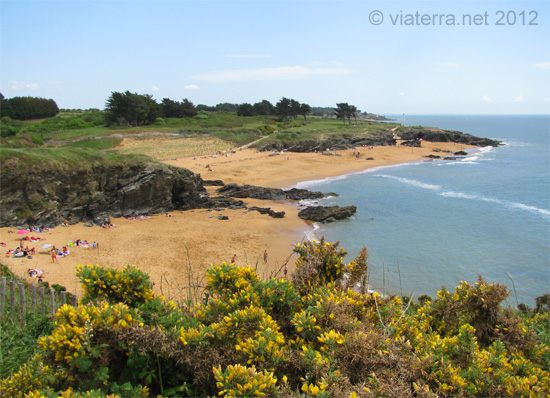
[36, 273]
[41, 229]
[23, 252]
[62, 252]
[139, 218]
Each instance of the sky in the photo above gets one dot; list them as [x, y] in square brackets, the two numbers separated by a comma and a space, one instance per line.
[391, 57]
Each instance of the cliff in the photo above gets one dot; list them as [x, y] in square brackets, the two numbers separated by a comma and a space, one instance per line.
[49, 187]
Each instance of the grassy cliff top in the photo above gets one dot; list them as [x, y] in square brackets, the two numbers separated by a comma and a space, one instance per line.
[62, 158]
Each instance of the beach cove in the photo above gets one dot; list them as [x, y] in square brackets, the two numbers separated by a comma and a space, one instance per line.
[167, 246]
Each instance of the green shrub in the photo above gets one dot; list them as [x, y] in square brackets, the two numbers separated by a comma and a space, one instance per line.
[315, 335]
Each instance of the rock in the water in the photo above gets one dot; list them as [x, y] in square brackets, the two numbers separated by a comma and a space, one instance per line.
[324, 213]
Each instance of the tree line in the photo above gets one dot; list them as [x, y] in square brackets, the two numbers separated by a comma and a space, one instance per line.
[132, 109]
[26, 108]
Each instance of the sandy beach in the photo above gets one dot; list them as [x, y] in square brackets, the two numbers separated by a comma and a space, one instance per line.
[168, 246]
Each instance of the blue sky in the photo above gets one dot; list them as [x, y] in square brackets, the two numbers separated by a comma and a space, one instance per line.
[413, 57]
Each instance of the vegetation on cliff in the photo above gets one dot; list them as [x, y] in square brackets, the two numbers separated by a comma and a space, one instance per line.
[52, 185]
[48, 164]
[318, 334]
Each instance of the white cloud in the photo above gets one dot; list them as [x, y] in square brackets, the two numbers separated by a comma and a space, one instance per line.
[519, 98]
[154, 88]
[449, 65]
[486, 98]
[191, 87]
[401, 93]
[15, 85]
[283, 72]
[542, 65]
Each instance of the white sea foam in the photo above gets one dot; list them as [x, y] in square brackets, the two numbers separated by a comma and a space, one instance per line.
[462, 195]
[311, 233]
[506, 203]
[412, 182]
[312, 183]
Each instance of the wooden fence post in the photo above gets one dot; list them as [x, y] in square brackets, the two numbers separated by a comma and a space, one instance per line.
[37, 299]
[42, 301]
[33, 302]
[52, 298]
[12, 297]
[22, 302]
[2, 296]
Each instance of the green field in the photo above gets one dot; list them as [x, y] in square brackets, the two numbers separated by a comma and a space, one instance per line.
[220, 131]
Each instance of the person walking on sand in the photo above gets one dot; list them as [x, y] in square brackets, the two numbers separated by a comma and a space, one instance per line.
[234, 258]
[265, 257]
[54, 256]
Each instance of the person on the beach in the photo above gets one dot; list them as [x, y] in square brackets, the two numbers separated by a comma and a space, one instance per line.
[285, 271]
[54, 256]
[265, 257]
[234, 258]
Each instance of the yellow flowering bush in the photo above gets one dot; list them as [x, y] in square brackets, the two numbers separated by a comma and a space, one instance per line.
[128, 285]
[241, 381]
[32, 378]
[318, 335]
[322, 263]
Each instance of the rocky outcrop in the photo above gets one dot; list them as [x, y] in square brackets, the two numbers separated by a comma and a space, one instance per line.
[255, 192]
[438, 135]
[412, 143]
[268, 211]
[326, 213]
[94, 192]
[213, 183]
[332, 143]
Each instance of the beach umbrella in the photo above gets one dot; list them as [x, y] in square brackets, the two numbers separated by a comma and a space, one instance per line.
[46, 246]
[23, 231]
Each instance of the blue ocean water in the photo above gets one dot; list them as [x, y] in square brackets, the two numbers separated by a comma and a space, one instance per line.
[436, 223]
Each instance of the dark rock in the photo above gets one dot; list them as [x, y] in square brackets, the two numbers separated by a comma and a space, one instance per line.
[332, 143]
[224, 202]
[431, 156]
[461, 153]
[213, 183]
[255, 192]
[267, 210]
[222, 218]
[323, 213]
[450, 158]
[49, 195]
[412, 143]
[439, 135]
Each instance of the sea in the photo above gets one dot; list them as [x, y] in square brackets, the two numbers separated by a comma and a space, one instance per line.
[435, 223]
